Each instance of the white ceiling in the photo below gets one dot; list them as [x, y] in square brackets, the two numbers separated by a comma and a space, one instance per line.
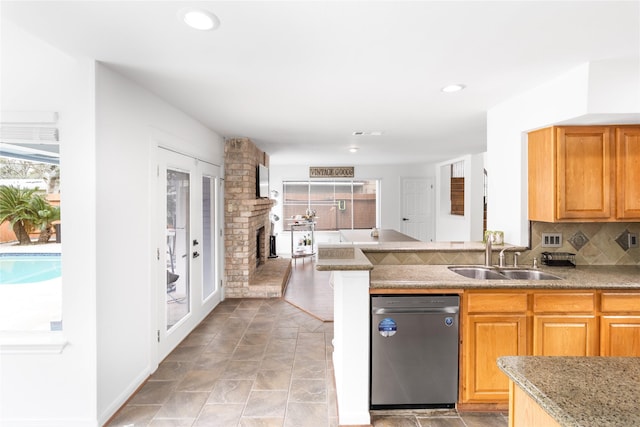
[299, 77]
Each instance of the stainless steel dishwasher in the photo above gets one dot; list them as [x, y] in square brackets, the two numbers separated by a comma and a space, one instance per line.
[414, 351]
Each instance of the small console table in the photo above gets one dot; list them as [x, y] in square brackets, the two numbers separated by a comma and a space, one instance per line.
[302, 239]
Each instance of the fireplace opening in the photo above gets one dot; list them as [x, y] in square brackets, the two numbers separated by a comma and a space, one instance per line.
[260, 246]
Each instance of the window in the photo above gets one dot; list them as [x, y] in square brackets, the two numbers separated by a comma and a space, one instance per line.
[30, 229]
[338, 204]
[457, 188]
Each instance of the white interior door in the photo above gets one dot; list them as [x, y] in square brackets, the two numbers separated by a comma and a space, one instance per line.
[417, 209]
[189, 267]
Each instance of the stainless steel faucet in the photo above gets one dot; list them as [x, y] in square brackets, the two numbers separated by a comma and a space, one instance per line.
[502, 262]
[487, 249]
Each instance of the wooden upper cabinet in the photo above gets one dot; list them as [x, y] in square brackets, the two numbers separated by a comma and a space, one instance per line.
[584, 173]
[585, 167]
[628, 172]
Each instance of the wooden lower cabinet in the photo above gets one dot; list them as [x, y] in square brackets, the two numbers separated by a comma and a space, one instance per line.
[620, 336]
[620, 324]
[487, 338]
[558, 335]
[541, 323]
[494, 325]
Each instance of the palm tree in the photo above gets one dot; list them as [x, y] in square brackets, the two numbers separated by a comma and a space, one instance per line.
[46, 215]
[15, 207]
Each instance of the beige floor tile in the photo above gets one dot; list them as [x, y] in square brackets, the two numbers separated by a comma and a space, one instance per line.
[310, 391]
[153, 392]
[249, 352]
[261, 422]
[199, 380]
[266, 404]
[137, 415]
[275, 379]
[441, 422]
[241, 370]
[260, 363]
[395, 421]
[183, 404]
[485, 420]
[171, 370]
[306, 415]
[177, 422]
[231, 391]
[222, 415]
[315, 369]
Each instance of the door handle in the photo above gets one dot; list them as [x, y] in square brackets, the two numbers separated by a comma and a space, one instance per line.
[196, 254]
[405, 219]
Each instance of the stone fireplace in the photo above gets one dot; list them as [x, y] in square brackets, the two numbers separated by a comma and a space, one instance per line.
[247, 225]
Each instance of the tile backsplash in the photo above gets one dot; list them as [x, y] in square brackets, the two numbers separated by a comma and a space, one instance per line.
[596, 242]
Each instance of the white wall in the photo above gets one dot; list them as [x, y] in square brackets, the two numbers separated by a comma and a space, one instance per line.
[390, 192]
[106, 126]
[40, 389]
[467, 227]
[128, 118]
[586, 94]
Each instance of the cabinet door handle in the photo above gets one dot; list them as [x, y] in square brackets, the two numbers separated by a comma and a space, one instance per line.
[405, 219]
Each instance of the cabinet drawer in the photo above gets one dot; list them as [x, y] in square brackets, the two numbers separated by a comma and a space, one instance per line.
[573, 302]
[615, 302]
[499, 302]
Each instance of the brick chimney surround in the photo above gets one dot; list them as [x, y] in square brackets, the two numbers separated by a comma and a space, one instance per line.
[245, 215]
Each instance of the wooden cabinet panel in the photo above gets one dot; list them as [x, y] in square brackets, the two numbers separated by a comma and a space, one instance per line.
[628, 173]
[584, 172]
[565, 335]
[486, 338]
[620, 302]
[571, 302]
[496, 302]
[542, 323]
[525, 412]
[620, 336]
[542, 175]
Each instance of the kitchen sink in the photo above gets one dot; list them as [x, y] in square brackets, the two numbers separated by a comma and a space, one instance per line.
[529, 275]
[491, 273]
[485, 273]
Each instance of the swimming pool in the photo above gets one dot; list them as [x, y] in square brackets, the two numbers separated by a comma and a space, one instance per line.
[16, 269]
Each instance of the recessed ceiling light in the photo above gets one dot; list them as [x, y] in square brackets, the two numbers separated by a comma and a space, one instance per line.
[353, 149]
[199, 19]
[376, 133]
[453, 88]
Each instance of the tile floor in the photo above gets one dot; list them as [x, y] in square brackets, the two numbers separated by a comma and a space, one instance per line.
[261, 362]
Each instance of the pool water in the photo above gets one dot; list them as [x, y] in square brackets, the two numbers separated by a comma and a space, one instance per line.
[18, 269]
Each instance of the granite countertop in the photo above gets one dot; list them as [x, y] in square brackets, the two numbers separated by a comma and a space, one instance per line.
[384, 235]
[341, 258]
[439, 276]
[350, 256]
[580, 391]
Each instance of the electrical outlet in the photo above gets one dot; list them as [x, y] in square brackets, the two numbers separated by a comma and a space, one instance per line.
[633, 240]
[551, 240]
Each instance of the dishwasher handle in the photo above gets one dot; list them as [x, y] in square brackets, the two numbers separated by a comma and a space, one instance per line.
[416, 310]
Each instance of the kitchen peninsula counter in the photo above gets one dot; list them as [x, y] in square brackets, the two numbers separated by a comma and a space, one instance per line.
[360, 269]
[579, 391]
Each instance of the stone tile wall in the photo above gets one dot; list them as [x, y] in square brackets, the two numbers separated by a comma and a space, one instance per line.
[244, 215]
[598, 238]
[599, 247]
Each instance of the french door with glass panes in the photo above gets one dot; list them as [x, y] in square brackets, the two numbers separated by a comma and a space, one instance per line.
[189, 272]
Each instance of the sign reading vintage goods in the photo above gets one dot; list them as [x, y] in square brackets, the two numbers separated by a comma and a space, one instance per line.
[331, 172]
